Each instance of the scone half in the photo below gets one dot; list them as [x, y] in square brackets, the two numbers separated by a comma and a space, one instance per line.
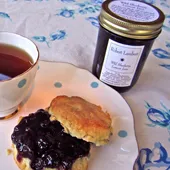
[82, 119]
[24, 163]
[42, 144]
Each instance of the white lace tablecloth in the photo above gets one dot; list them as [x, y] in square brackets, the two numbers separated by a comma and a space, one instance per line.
[66, 31]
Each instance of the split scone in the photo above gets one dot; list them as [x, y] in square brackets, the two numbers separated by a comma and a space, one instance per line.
[81, 119]
[48, 140]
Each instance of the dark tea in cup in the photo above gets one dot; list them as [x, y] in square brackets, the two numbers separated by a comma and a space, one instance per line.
[13, 61]
[18, 66]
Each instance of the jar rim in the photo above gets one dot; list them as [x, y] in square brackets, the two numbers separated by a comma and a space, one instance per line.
[118, 24]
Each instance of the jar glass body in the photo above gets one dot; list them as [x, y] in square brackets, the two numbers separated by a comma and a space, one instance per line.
[100, 53]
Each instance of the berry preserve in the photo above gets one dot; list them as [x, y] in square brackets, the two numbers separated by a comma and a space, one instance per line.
[45, 143]
[126, 34]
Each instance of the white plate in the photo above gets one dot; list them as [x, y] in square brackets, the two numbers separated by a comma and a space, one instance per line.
[122, 150]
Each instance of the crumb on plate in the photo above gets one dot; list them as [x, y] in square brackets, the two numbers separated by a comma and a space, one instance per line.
[9, 151]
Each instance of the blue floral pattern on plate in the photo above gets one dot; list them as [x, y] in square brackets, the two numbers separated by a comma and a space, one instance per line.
[163, 54]
[58, 35]
[166, 25]
[31, 0]
[160, 53]
[94, 21]
[5, 15]
[165, 3]
[167, 66]
[156, 157]
[67, 1]
[158, 117]
[149, 1]
[67, 13]
[82, 8]
[99, 2]
[168, 44]
[41, 39]
[88, 7]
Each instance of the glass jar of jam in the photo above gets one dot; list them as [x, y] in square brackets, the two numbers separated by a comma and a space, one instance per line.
[127, 31]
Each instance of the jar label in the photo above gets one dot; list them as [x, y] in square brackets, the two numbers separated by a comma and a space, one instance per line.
[134, 10]
[120, 63]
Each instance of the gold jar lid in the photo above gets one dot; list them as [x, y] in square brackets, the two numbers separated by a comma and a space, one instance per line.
[131, 19]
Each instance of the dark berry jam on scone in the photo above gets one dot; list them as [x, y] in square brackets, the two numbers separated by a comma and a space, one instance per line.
[45, 145]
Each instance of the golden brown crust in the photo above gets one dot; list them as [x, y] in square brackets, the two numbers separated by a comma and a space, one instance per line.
[25, 162]
[81, 119]
[79, 164]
